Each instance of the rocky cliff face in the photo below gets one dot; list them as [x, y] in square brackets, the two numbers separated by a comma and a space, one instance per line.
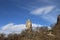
[57, 25]
[58, 20]
[56, 28]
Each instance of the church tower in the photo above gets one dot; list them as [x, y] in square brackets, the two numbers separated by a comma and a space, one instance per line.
[29, 24]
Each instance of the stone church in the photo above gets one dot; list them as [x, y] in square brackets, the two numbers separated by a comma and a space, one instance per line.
[29, 24]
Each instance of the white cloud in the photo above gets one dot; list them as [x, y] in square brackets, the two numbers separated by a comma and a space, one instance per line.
[36, 25]
[49, 18]
[43, 10]
[49, 9]
[37, 11]
[12, 28]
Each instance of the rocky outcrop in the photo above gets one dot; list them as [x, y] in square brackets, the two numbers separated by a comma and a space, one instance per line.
[57, 25]
[58, 20]
[56, 28]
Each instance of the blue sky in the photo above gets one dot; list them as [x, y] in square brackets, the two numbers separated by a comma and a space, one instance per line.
[42, 12]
